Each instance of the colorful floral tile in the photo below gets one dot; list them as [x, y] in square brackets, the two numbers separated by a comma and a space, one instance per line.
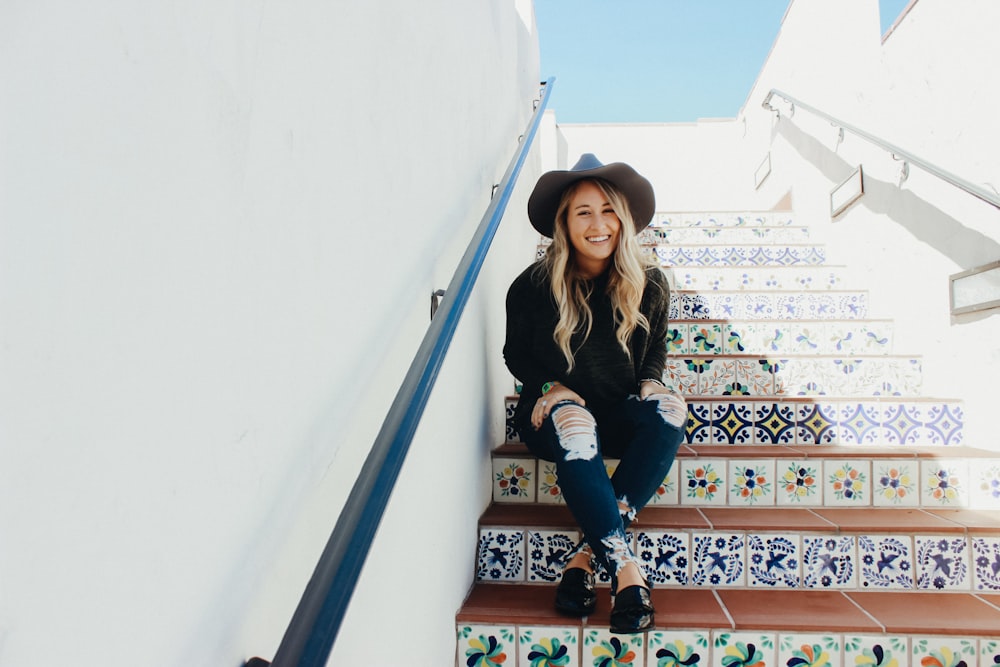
[682, 375]
[774, 423]
[705, 338]
[751, 482]
[755, 377]
[806, 338]
[742, 337]
[986, 564]
[549, 492]
[514, 480]
[666, 494]
[666, 556]
[989, 651]
[847, 483]
[673, 648]
[816, 423]
[829, 561]
[703, 482]
[984, 481]
[544, 645]
[876, 650]
[547, 553]
[732, 423]
[895, 483]
[717, 559]
[810, 649]
[679, 338]
[744, 649]
[773, 561]
[942, 562]
[798, 483]
[716, 377]
[699, 426]
[885, 562]
[945, 651]
[944, 483]
[600, 647]
[487, 645]
[501, 555]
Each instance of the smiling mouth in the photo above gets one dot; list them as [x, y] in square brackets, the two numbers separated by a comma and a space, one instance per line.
[598, 239]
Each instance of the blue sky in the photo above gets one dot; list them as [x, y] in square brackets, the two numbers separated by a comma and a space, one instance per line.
[648, 61]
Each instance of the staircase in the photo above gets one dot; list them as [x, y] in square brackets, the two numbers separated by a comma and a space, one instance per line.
[823, 511]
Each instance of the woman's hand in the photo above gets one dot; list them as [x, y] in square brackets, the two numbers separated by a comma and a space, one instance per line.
[546, 402]
[650, 387]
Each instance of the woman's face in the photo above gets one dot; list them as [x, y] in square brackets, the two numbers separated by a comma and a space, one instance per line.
[593, 228]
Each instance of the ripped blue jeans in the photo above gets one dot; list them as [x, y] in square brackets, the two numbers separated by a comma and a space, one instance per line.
[638, 433]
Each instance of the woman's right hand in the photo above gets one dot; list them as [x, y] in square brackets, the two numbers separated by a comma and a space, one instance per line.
[545, 403]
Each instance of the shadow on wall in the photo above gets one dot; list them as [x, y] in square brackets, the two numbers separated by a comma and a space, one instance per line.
[924, 221]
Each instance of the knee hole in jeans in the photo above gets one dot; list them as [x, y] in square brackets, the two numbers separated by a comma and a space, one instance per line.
[576, 430]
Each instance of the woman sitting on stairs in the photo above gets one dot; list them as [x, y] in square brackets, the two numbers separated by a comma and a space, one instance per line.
[586, 335]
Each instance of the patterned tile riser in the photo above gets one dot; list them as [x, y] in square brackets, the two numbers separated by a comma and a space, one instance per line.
[932, 483]
[675, 220]
[825, 422]
[766, 338]
[701, 236]
[532, 645]
[750, 278]
[706, 375]
[925, 563]
[740, 255]
[826, 305]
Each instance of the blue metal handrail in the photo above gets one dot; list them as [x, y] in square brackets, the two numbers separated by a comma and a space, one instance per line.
[929, 167]
[313, 629]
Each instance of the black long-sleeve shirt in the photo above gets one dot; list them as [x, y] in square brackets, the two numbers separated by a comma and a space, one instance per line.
[603, 374]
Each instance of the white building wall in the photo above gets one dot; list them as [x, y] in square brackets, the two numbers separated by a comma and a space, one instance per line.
[924, 89]
[220, 226]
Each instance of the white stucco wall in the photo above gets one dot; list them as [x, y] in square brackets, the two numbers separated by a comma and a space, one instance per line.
[220, 226]
[923, 90]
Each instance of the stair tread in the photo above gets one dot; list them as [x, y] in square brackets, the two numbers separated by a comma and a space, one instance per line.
[962, 614]
[866, 520]
[802, 451]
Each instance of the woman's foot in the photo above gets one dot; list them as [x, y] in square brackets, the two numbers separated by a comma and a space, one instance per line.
[576, 594]
[633, 608]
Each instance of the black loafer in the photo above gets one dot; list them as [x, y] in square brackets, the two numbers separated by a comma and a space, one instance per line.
[633, 611]
[576, 594]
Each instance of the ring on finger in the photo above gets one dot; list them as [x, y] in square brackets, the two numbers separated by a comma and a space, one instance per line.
[544, 403]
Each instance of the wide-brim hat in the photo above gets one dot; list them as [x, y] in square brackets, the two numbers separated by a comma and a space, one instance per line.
[544, 200]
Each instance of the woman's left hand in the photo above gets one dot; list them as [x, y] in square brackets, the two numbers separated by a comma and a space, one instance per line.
[650, 387]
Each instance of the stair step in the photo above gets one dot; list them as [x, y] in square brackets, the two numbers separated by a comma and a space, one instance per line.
[770, 305]
[771, 337]
[826, 375]
[812, 476]
[791, 548]
[734, 627]
[820, 420]
[713, 278]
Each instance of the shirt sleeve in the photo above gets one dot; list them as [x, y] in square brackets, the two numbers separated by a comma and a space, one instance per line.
[524, 306]
[657, 312]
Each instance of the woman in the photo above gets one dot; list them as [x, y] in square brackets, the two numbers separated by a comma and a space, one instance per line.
[586, 335]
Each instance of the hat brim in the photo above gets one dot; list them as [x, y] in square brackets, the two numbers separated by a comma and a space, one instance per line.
[544, 200]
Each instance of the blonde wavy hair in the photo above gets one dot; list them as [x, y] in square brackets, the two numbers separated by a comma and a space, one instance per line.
[570, 289]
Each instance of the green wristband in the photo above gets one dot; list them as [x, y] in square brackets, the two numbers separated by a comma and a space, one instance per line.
[547, 387]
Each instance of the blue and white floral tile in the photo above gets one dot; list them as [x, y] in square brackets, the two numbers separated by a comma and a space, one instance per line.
[600, 647]
[942, 562]
[548, 551]
[512, 435]
[716, 377]
[986, 564]
[751, 482]
[895, 483]
[666, 556]
[703, 482]
[885, 562]
[985, 485]
[942, 424]
[876, 650]
[774, 561]
[699, 426]
[847, 482]
[902, 423]
[989, 651]
[745, 648]
[678, 647]
[944, 483]
[810, 649]
[487, 644]
[717, 559]
[945, 651]
[774, 423]
[753, 306]
[514, 480]
[798, 483]
[501, 555]
[545, 645]
[548, 492]
[731, 423]
[860, 423]
[667, 494]
[829, 562]
[816, 423]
